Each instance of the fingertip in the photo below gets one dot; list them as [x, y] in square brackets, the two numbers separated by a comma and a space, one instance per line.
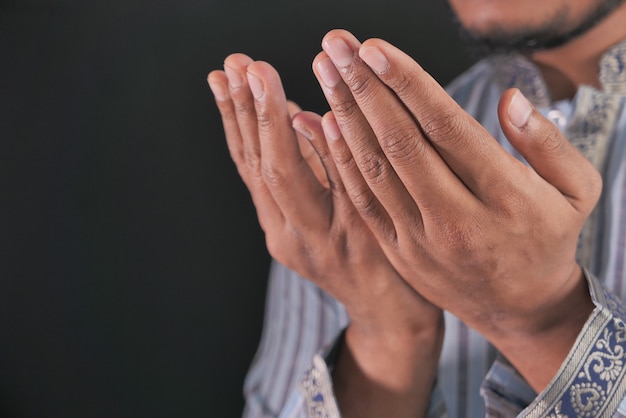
[338, 37]
[331, 127]
[235, 66]
[217, 83]
[302, 129]
[308, 124]
[519, 109]
[514, 110]
[263, 70]
[374, 43]
[213, 76]
[374, 58]
[310, 119]
[340, 33]
[322, 55]
[238, 60]
[256, 85]
[293, 108]
[268, 78]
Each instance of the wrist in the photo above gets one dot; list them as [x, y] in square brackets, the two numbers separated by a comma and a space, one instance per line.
[538, 344]
[394, 358]
[387, 373]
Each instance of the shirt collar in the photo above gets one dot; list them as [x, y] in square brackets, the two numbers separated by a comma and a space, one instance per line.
[516, 70]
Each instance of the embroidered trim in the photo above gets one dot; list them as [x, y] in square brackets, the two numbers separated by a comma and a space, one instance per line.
[515, 70]
[592, 381]
[590, 129]
[317, 390]
[613, 69]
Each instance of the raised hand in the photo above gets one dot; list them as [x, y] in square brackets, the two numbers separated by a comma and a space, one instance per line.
[471, 228]
[311, 226]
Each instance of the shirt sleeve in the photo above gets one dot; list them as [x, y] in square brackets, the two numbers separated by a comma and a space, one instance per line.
[290, 375]
[315, 397]
[591, 382]
[300, 320]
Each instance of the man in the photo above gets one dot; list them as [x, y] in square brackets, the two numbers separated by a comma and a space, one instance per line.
[421, 208]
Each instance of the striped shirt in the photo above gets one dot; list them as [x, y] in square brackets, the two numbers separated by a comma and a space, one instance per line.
[289, 376]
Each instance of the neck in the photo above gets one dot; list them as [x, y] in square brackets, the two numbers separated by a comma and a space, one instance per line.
[567, 67]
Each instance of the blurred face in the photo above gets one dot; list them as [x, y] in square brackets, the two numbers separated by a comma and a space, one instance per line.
[527, 25]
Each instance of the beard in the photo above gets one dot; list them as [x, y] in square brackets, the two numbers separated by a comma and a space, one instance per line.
[530, 39]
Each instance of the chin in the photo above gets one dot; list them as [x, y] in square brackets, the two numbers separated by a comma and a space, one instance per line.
[497, 16]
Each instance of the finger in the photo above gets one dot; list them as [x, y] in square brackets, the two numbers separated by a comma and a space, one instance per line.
[235, 66]
[368, 176]
[551, 155]
[300, 196]
[320, 130]
[293, 108]
[268, 213]
[304, 142]
[362, 198]
[309, 125]
[467, 148]
[401, 157]
[219, 86]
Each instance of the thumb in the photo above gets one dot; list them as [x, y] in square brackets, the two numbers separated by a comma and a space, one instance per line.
[549, 153]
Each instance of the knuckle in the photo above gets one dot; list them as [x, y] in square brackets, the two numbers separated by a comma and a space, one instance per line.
[551, 141]
[345, 108]
[401, 143]
[360, 83]
[513, 205]
[272, 176]
[461, 240]
[402, 85]
[252, 159]
[264, 120]
[336, 186]
[440, 127]
[343, 158]
[365, 203]
[244, 109]
[374, 167]
[227, 111]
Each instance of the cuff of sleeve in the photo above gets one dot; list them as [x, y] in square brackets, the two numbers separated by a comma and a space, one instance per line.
[591, 381]
[316, 387]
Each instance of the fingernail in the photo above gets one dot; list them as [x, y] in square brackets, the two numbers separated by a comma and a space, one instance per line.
[234, 78]
[328, 73]
[331, 129]
[375, 59]
[218, 90]
[303, 131]
[519, 110]
[339, 52]
[256, 86]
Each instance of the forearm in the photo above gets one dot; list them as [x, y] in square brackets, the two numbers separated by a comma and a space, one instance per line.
[386, 375]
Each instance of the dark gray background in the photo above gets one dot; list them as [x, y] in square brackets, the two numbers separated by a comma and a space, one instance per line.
[132, 269]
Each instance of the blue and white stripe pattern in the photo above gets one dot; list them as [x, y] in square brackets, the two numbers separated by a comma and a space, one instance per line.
[301, 320]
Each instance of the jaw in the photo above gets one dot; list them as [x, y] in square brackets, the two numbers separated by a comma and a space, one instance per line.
[528, 26]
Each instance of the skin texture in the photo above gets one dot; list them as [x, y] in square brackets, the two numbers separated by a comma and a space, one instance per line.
[461, 220]
[402, 213]
[311, 226]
